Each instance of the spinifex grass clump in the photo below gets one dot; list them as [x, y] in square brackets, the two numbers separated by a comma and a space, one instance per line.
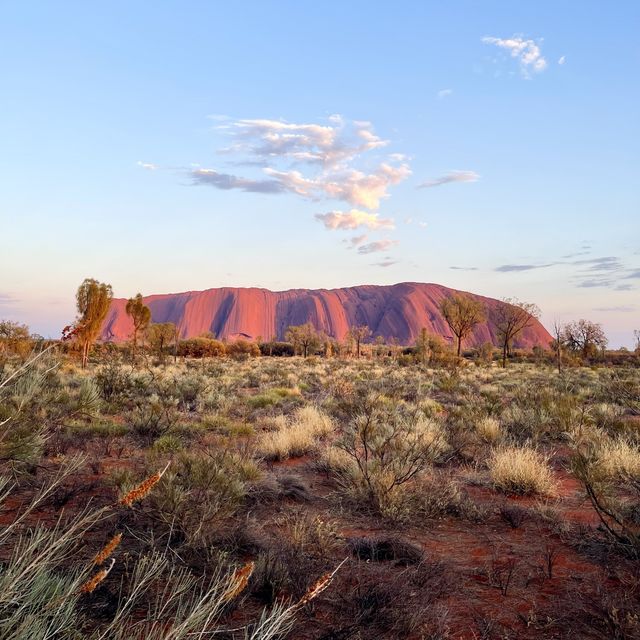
[521, 470]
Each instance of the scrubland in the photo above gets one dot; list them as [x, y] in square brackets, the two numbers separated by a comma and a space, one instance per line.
[318, 498]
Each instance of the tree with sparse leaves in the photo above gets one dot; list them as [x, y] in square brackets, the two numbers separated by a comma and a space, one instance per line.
[93, 299]
[584, 337]
[359, 334]
[462, 314]
[140, 314]
[511, 318]
[304, 338]
[159, 335]
[14, 338]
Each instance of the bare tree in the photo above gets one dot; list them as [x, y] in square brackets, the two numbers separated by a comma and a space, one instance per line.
[558, 343]
[511, 318]
[359, 334]
[462, 314]
[636, 336]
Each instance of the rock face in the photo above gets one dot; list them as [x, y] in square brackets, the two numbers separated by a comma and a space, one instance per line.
[397, 311]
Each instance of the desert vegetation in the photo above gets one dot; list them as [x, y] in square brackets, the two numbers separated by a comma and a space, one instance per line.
[204, 489]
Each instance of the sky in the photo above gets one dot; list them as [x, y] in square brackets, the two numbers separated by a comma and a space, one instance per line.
[492, 147]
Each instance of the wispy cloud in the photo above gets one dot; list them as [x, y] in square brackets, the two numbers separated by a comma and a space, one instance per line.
[386, 262]
[575, 255]
[451, 176]
[606, 263]
[527, 52]
[618, 309]
[506, 268]
[227, 181]
[594, 283]
[356, 241]
[354, 219]
[377, 246]
[149, 166]
[444, 93]
[562, 60]
[588, 273]
[7, 299]
[464, 268]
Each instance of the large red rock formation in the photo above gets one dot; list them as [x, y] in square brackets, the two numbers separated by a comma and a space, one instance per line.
[396, 311]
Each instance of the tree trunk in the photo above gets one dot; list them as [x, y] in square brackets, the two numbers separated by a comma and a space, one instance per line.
[459, 344]
[85, 354]
[504, 355]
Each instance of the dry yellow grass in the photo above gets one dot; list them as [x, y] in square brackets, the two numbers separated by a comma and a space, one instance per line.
[488, 429]
[521, 470]
[297, 435]
[618, 458]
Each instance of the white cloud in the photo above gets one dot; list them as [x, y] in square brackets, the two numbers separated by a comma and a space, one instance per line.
[444, 93]
[451, 176]
[377, 246]
[527, 52]
[354, 219]
[562, 60]
[328, 144]
[147, 165]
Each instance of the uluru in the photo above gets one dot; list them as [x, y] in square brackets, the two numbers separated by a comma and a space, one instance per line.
[398, 311]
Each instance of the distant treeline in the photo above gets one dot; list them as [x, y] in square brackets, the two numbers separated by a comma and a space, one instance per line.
[573, 343]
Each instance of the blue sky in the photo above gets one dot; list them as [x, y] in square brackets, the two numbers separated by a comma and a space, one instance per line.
[172, 146]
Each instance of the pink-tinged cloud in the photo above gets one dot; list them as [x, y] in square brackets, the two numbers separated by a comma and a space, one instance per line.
[350, 185]
[326, 144]
[354, 219]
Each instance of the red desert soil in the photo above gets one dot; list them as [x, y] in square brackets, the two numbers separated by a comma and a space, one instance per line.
[398, 311]
[474, 551]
